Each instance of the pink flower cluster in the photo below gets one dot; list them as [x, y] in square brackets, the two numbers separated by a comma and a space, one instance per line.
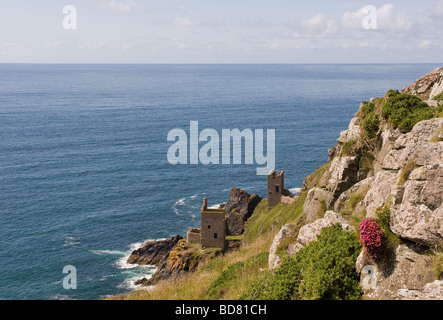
[371, 237]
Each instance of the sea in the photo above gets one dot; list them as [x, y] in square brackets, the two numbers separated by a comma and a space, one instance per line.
[84, 173]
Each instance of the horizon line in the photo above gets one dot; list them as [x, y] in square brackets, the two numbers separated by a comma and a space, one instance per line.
[220, 63]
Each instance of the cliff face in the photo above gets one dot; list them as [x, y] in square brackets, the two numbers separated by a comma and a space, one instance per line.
[380, 165]
[238, 209]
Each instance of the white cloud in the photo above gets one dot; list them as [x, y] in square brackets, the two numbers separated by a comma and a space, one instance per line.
[314, 24]
[425, 44]
[11, 45]
[185, 22]
[91, 46]
[121, 6]
[53, 45]
[318, 25]
[437, 8]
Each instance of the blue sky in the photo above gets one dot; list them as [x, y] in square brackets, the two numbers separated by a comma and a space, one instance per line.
[210, 31]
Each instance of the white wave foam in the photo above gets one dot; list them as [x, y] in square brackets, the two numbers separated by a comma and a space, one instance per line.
[295, 191]
[70, 241]
[110, 252]
[60, 297]
[215, 206]
[134, 275]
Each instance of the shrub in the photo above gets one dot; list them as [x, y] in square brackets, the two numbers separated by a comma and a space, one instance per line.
[438, 97]
[323, 270]
[405, 110]
[371, 236]
[371, 124]
[348, 147]
[383, 214]
[367, 108]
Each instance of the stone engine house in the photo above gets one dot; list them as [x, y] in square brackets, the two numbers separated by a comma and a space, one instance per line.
[212, 232]
[213, 226]
[276, 185]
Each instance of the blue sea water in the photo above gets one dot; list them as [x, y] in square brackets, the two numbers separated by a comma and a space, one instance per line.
[84, 176]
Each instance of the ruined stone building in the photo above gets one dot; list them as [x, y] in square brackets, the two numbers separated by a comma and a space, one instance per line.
[213, 226]
[276, 185]
[212, 232]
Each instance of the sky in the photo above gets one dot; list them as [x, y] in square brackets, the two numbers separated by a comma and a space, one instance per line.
[221, 31]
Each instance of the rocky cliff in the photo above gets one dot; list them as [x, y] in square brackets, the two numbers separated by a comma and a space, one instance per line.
[388, 162]
[239, 209]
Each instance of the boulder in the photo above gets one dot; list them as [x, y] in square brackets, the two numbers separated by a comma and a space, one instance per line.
[427, 86]
[407, 267]
[416, 208]
[285, 232]
[238, 209]
[343, 174]
[361, 187]
[154, 252]
[309, 232]
[416, 146]
[431, 291]
[353, 131]
[379, 192]
[315, 204]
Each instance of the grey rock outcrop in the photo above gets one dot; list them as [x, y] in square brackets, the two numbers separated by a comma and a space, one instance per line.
[309, 232]
[315, 204]
[238, 210]
[416, 146]
[408, 267]
[431, 291]
[427, 86]
[417, 210]
[285, 232]
[154, 253]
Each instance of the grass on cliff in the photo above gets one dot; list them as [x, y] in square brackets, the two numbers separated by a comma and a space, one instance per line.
[406, 172]
[264, 224]
[313, 180]
[231, 275]
[383, 217]
[438, 97]
[224, 277]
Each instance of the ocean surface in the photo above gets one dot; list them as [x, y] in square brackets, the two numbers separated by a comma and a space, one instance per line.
[84, 175]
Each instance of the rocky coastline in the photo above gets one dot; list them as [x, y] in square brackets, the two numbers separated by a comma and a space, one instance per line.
[377, 167]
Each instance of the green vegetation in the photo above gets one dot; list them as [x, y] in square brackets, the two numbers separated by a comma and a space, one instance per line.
[371, 122]
[438, 97]
[235, 238]
[383, 217]
[348, 148]
[371, 125]
[323, 209]
[349, 209]
[405, 110]
[405, 173]
[313, 179]
[264, 224]
[324, 269]
[235, 273]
